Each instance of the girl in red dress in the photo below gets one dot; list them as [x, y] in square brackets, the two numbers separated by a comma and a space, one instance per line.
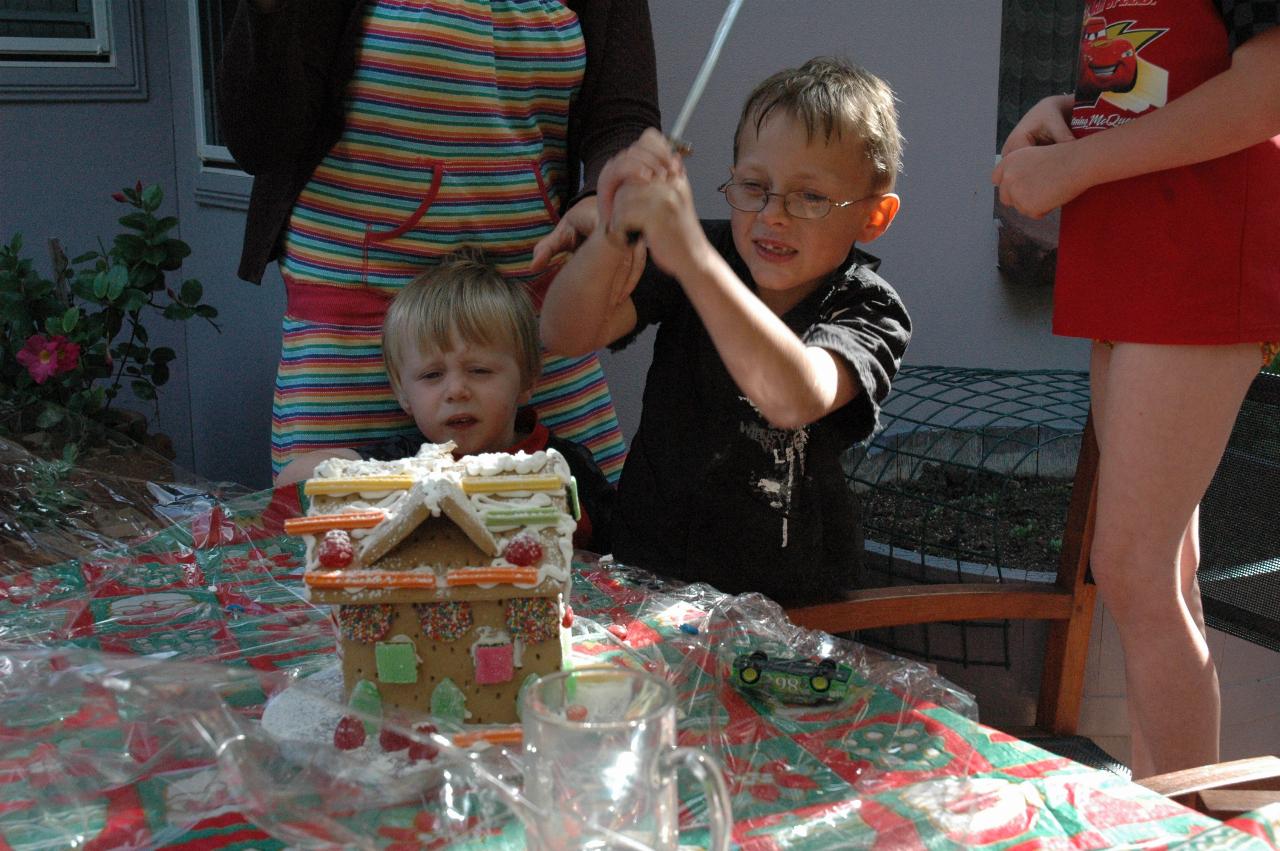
[1166, 161]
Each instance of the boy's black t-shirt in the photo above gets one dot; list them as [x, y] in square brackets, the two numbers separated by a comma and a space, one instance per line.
[595, 494]
[710, 491]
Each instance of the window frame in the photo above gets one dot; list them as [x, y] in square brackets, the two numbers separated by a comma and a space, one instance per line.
[212, 156]
[123, 77]
[99, 45]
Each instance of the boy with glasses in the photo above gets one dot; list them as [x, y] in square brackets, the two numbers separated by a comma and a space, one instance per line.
[776, 340]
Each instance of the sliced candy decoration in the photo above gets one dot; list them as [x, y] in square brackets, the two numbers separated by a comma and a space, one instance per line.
[532, 619]
[491, 576]
[326, 579]
[444, 621]
[523, 550]
[367, 484]
[498, 736]
[508, 484]
[365, 624]
[335, 549]
[510, 518]
[324, 522]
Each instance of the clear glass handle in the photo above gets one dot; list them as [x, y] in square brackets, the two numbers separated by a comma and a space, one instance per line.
[707, 771]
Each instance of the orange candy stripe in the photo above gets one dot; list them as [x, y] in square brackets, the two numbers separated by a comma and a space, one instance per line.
[325, 522]
[492, 575]
[369, 579]
[506, 736]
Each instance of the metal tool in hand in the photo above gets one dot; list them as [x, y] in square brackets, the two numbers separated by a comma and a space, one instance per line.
[675, 136]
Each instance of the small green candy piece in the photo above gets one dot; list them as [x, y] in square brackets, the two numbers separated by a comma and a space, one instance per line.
[366, 700]
[448, 702]
[397, 662]
[575, 507]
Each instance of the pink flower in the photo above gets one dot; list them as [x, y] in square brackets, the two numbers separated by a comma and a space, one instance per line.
[44, 357]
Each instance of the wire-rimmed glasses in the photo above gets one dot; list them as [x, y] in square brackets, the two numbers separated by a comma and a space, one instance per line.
[751, 197]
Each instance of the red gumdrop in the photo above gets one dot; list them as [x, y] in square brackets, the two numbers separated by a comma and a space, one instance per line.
[335, 549]
[523, 550]
[349, 733]
[390, 740]
[575, 712]
[567, 620]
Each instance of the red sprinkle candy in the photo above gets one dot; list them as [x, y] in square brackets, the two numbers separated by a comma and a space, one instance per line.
[349, 733]
[423, 750]
[335, 549]
[523, 550]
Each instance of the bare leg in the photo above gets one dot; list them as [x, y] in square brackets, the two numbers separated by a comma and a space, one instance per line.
[1163, 415]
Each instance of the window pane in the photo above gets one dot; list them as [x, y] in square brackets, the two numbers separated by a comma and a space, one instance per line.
[68, 30]
[215, 20]
[1038, 46]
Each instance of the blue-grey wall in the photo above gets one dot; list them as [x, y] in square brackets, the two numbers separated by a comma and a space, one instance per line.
[59, 162]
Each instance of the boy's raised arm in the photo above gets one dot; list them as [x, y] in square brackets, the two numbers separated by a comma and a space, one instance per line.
[589, 303]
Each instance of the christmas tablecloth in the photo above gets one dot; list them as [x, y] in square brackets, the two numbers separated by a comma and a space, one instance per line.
[132, 685]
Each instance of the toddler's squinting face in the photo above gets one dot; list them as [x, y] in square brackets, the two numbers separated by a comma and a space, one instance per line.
[468, 394]
[789, 257]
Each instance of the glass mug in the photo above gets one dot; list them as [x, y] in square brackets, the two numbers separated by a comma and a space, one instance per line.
[600, 762]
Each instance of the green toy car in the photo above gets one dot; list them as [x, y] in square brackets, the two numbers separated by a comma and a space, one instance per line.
[793, 680]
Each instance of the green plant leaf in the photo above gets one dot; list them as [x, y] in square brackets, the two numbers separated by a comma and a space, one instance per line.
[143, 389]
[163, 354]
[152, 196]
[140, 331]
[137, 221]
[177, 311]
[166, 224]
[144, 277]
[130, 247]
[49, 417]
[135, 300]
[69, 319]
[84, 258]
[159, 374]
[190, 292]
[117, 280]
[206, 310]
[15, 244]
[100, 285]
[155, 255]
[175, 251]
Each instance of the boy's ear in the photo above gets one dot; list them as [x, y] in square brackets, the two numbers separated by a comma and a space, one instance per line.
[880, 217]
[525, 395]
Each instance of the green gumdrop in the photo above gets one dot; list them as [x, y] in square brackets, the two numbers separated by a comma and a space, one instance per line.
[366, 700]
[448, 702]
[525, 685]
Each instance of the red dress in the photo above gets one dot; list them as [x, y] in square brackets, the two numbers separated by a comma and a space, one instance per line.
[1182, 256]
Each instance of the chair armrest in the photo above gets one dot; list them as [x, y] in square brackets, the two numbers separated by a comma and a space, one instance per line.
[1240, 774]
[901, 605]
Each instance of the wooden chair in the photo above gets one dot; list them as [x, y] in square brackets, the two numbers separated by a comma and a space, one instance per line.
[1223, 790]
[1067, 604]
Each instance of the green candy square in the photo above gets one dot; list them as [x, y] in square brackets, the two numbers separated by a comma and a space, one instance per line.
[397, 662]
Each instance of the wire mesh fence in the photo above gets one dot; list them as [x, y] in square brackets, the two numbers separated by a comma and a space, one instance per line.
[968, 481]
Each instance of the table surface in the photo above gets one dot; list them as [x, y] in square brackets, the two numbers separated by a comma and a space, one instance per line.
[133, 683]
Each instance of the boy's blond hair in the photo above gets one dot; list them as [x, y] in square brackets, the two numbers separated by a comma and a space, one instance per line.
[463, 299]
[834, 97]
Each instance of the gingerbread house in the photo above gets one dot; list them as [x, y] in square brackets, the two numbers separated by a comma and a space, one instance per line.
[450, 577]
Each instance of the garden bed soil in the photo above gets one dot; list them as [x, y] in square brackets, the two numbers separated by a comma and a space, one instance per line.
[975, 516]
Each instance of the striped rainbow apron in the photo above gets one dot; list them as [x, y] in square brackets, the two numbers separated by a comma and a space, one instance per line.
[456, 124]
